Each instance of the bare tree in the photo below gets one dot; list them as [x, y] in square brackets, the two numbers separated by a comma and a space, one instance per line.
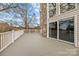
[17, 8]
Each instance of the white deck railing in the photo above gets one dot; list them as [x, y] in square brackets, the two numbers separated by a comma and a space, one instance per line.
[7, 38]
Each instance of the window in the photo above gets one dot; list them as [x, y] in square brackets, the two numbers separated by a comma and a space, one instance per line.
[66, 7]
[52, 9]
[66, 30]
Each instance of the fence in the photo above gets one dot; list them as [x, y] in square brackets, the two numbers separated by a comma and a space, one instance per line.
[7, 38]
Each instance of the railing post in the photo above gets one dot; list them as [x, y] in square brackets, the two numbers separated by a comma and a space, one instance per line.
[13, 36]
[1, 40]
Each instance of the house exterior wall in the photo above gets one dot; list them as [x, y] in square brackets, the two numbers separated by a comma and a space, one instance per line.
[72, 13]
[0, 42]
[77, 31]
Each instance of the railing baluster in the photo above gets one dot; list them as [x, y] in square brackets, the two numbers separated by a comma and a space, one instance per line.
[9, 37]
[1, 40]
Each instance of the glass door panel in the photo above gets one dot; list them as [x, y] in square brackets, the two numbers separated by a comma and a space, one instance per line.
[53, 30]
[66, 30]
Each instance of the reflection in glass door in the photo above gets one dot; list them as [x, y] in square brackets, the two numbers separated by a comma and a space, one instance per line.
[66, 30]
[53, 30]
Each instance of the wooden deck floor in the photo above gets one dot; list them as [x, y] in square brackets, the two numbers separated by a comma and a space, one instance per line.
[33, 44]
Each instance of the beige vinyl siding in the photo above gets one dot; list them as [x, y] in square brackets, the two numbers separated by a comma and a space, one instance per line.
[0, 41]
[78, 30]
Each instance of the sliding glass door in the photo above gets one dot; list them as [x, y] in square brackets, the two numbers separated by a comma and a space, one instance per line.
[66, 30]
[53, 30]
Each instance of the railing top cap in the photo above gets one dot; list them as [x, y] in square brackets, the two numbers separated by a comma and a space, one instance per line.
[10, 31]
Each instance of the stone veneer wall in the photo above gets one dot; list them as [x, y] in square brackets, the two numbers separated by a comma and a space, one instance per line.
[43, 20]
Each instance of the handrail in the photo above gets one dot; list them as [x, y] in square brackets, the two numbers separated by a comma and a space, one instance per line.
[5, 32]
[6, 38]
